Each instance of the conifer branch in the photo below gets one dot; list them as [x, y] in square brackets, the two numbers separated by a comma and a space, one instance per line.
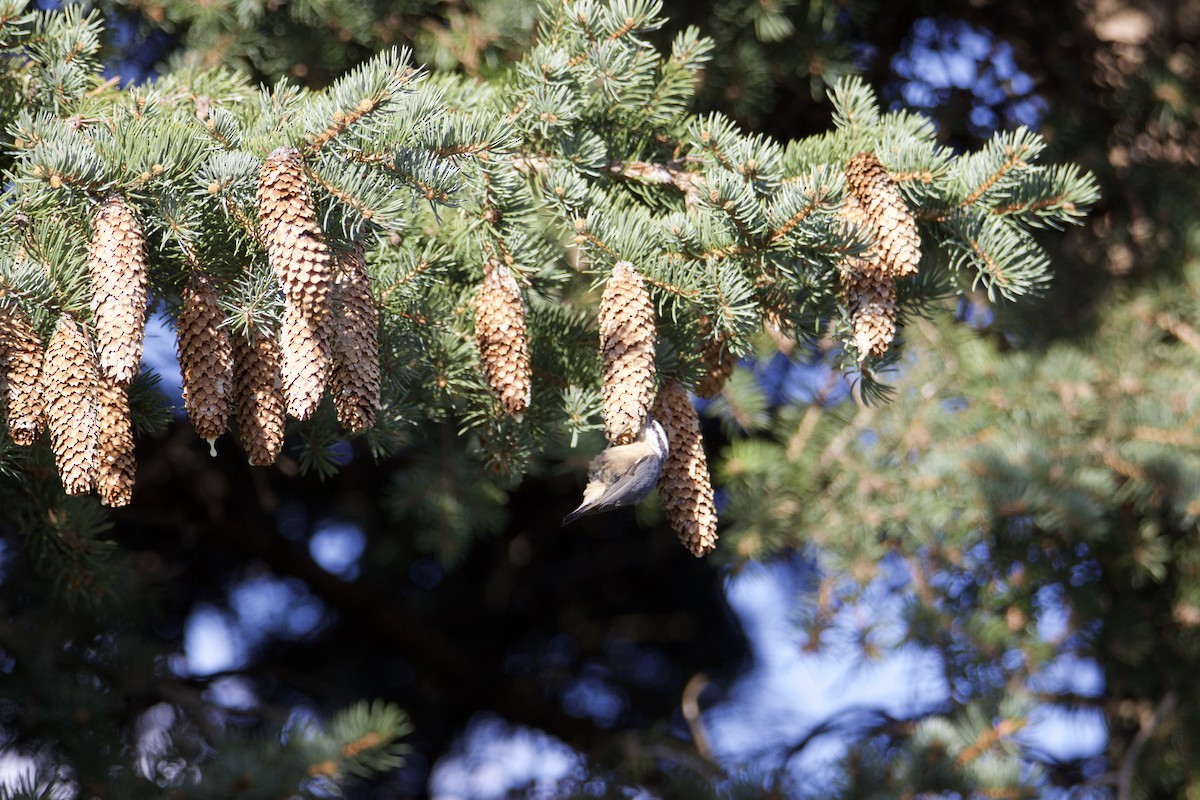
[416, 272]
[1015, 159]
[987, 739]
[1180, 329]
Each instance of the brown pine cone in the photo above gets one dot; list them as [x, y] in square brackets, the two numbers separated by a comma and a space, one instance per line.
[897, 245]
[502, 338]
[120, 281]
[872, 303]
[684, 485]
[69, 382]
[355, 377]
[287, 222]
[205, 358]
[627, 338]
[21, 375]
[260, 406]
[116, 465]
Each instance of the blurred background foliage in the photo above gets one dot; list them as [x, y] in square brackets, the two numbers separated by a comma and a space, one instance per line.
[1023, 513]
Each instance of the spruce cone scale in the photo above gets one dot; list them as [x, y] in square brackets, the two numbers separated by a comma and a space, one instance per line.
[120, 283]
[21, 376]
[116, 465]
[627, 339]
[501, 335]
[205, 351]
[260, 404]
[880, 206]
[69, 381]
[355, 378]
[684, 486]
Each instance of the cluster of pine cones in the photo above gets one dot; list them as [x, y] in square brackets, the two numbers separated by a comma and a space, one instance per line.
[78, 388]
[329, 338]
[627, 339]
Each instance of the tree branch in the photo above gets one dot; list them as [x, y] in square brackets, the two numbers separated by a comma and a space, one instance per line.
[1129, 763]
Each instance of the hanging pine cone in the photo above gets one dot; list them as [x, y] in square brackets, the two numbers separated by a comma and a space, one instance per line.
[719, 362]
[260, 407]
[307, 352]
[120, 281]
[69, 377]
[872, 303]
[287, 222]
[205, 351]
[21, 375]
[868, 285]
[897, 248]
[115, 462]
[684, 485]
[627, 339]
[501, 336]
[355, 380]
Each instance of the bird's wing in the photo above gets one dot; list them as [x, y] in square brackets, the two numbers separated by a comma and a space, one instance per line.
[607, 463]
[617, 486]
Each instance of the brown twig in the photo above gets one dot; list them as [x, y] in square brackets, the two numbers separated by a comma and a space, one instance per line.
[690, 706]
[1129, 763]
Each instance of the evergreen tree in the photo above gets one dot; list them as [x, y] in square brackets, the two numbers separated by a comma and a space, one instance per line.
[406, 265]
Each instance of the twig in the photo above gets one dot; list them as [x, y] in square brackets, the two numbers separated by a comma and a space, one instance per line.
[1125, 775]
[690, 705]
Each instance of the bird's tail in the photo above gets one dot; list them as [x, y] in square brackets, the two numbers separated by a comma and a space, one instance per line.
[574, 515]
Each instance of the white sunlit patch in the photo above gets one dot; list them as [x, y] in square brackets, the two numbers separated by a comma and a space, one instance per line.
[16, 769]
[1065, 734]
[211, 643]
[235, 694]
[337, 547]
[491, 758]
[590, 695]
[156, 760]
[269, 606]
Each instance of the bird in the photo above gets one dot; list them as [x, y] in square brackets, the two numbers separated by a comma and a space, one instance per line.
[623, 474]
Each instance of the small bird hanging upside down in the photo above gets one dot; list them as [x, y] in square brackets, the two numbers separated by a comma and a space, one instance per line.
[622, 475]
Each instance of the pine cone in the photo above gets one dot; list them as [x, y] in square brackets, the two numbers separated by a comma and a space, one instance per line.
[287, 221]
[355, 380]
[501, 336]
[627, 338]
[21, 375]
[719, 362]
[306, 346]
[898, 246]
[205, 358]
[120, 281]
[872, 303]
[115, 461]
[69, 378]
[684, 485]
[260, 408]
